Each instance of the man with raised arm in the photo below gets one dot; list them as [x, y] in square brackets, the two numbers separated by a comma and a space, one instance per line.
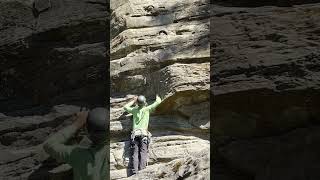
[88, 163]
[140, 136]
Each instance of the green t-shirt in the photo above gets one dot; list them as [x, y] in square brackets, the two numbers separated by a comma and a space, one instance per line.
[141, 114]
[87, 163]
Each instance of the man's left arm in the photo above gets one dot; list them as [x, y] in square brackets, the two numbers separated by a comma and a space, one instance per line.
[154, 105]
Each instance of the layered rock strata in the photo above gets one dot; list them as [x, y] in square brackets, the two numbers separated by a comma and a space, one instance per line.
[162, 47]
[265, 81]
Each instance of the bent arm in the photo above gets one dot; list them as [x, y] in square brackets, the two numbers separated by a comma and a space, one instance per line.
[128, 107]
[55, 145]
[154, 105]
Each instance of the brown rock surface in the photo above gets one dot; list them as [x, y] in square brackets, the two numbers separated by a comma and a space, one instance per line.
[162, 47]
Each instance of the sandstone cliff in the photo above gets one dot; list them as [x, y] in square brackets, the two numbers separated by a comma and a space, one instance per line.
[264, 78]
[162, 47]
[53, 53]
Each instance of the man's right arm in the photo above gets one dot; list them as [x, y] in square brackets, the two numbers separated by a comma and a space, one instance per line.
[128, 107]
[55, 145]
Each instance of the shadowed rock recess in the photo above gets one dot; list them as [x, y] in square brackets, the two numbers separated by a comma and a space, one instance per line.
[52, 61]
[265, 80]
[162, 47]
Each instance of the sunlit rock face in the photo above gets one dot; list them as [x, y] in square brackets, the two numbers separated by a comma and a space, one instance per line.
[162, 47]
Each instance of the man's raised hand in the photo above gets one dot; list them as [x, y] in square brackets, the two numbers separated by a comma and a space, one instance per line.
[81, 119]
[158, 97]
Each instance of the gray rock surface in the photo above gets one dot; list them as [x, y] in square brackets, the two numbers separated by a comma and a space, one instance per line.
[190, 167]
[265, 81]
[52, 52]
[22, 156]
[277, 157]
[52, 61]
[270, 68]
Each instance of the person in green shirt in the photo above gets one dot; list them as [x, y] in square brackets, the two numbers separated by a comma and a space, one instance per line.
[88, 163]
[140, 134]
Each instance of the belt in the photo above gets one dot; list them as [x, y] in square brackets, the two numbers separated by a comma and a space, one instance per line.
[140, 132]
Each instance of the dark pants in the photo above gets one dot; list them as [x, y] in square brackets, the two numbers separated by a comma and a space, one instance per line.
[139, 153]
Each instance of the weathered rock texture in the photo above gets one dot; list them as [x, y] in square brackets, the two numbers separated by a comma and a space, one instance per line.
[265, 81]
[162, 47]
[22, 156]
[52, 52]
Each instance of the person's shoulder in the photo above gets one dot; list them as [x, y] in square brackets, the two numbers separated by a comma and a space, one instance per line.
[135, 108]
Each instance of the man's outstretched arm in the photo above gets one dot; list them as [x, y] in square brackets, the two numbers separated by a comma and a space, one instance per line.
[128, 107]
[55, 145]
[154, 105]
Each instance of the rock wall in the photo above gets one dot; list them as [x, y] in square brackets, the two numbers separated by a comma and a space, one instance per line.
[264, 84]
[52, 52]
[52, 60]
[162, 47]
[21, 152]
[265, 81]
